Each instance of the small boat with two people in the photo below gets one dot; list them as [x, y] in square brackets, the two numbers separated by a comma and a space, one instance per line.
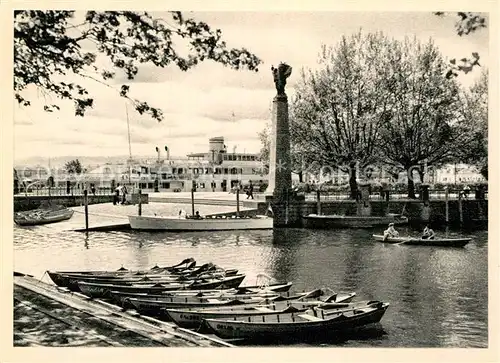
[428, 238]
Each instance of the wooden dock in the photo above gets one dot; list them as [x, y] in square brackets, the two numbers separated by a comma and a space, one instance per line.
[47, 315]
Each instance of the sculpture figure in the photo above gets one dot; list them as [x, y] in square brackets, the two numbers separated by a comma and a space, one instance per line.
[280, 75]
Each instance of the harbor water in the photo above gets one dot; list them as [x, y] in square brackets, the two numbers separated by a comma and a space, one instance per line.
[438, 296]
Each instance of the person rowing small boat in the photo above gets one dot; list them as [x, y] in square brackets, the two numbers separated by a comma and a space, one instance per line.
[428, 233]
[390, 232]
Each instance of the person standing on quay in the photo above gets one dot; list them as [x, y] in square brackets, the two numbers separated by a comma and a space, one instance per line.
[124, 194]
[250, 190]
[116, 197]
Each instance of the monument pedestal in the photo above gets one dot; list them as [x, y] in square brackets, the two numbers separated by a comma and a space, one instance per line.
[364, 208]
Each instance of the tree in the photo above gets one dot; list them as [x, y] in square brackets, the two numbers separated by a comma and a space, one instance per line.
[420, 122]
[474, 122]
[49, 45]
[339, 109]
[74, 167]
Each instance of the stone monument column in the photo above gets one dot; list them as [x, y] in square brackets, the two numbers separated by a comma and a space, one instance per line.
[280, 174]
[285, 205]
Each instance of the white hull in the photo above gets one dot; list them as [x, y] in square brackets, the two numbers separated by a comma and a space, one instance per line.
[208, 224]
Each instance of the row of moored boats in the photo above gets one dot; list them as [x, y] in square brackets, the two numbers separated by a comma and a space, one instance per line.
[211, 299]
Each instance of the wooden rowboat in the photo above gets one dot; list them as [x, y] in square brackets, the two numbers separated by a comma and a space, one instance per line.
[193, 317]
[442, 242]
[40, 216]
[98, 290]
[157, 306]
[70, 281]
[273, 289]
[302, 323]
[186, 264]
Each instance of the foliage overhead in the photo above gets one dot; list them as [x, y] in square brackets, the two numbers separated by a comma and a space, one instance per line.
[466, 24]
[48, 46]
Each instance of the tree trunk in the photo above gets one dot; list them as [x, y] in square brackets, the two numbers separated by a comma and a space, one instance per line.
[411, 184]
[421, 175]
[352, 181]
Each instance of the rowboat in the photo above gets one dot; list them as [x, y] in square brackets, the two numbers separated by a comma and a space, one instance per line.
[274, 289]
[301, 323]
[98, 290]
[213, 223]
[340, 221]
[442, 242]
[192, 317]
[186, 264]
[70, 280]
[41, 216]
[156, 305]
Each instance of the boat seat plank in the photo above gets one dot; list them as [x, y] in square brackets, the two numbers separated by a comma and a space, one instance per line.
[264, 310]
[309, 317]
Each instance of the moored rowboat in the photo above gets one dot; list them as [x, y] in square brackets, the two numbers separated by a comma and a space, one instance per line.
[273, 289]
[443, 242]
[192, 317]
[155, 306]
[186, 264]
[39, 217]
[98, 290]
[313, 321]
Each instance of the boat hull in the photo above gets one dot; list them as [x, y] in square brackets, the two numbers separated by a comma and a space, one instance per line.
[328, 221]
[278, 289]
[192, 318]
[241, 329]
[440, 242]
[209, 224]
[49, 217]
[97, 290]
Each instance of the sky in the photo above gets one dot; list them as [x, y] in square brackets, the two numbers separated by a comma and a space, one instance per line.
[211, 100]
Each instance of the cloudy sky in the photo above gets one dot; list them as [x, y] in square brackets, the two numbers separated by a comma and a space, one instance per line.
[211, 100]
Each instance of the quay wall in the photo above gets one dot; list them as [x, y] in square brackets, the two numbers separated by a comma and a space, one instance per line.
[471, 212]
[28, 202]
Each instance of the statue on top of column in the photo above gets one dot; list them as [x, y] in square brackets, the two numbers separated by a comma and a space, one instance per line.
[280, 75]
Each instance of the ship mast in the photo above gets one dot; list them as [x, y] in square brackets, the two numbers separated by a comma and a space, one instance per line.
[129, 145]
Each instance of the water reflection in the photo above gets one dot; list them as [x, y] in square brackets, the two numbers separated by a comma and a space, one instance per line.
[438, 296]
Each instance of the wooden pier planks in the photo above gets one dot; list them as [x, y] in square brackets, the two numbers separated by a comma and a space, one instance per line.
[157, 332]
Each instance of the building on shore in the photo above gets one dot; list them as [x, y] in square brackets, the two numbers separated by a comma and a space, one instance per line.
[214, 170]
